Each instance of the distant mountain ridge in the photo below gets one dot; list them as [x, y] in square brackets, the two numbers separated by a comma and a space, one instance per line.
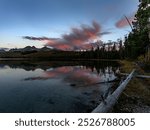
[30, 48]
[2, 49]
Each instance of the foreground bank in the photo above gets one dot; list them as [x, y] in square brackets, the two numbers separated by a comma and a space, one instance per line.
[136, 96]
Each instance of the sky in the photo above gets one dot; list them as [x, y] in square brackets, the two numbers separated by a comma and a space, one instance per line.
[63, 24]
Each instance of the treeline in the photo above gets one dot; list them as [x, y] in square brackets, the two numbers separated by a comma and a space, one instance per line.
[111, 50]
[106, 51]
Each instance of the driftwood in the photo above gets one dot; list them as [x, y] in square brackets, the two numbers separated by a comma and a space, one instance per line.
[110, 101]
[138, 76]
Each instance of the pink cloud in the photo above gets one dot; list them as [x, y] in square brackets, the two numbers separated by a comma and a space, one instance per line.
[123, 22]
[76, 39]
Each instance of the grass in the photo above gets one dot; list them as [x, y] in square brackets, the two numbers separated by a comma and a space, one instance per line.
[127, 66]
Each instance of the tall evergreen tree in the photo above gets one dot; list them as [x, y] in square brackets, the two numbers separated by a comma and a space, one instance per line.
[138, 39]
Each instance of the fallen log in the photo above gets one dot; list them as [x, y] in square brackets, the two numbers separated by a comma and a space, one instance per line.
[110, 101]
[138, 76]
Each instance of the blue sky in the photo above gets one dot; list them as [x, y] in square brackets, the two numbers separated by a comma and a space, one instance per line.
[53, 18]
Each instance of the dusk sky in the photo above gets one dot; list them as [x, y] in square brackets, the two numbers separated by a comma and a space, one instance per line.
[26, 22]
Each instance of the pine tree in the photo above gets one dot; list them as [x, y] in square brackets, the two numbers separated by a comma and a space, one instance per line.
[138, 39]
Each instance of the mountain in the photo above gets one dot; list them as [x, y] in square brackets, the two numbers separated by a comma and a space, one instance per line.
[14, 50]
[29, 48]
[26, 49]
[2, 50]
[46, 49]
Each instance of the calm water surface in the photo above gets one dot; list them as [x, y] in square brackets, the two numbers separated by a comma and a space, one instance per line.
[54, 86]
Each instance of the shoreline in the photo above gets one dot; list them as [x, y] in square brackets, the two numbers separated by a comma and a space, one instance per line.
[53, 59]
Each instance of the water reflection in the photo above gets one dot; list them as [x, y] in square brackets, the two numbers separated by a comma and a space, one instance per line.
[54, 86]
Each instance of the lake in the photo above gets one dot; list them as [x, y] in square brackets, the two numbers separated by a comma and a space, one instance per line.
[55, 86]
